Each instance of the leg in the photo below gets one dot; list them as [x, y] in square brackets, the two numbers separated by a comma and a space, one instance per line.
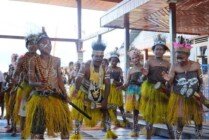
[198, 131]
[38, 124]
[12, 104]
[135, 124]
[170, 131]
[107, 121]
[123, 113]
[149, 128]
[180, 127]
[125, 121]
[22, 125]
[65, 134]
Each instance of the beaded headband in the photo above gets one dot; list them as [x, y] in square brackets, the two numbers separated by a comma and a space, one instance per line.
[182, 44]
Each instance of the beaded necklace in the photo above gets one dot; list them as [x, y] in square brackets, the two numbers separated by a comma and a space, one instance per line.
[40, 70]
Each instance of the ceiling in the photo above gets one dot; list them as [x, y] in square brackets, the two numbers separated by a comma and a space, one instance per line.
[102, 5]
[192, 16]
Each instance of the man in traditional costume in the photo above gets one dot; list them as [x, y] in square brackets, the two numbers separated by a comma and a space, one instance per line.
[21, 77]
[154, 91]
[92, 87]
[47, 108]
[185, 76]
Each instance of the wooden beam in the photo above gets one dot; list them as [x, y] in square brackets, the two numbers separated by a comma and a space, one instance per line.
[52, 39]
[116, 1]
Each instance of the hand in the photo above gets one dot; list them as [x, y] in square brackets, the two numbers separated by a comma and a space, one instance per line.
[144, 71]
[104, 104]
[166, 76]
[75, 93]
[120, 87]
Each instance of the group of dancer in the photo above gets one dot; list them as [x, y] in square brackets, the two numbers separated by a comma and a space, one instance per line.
[162, 93]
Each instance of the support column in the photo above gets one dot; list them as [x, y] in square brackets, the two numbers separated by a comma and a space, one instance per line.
[208, 60]
[79, 44]
[172, 26]
[126, 44]
[145, 54]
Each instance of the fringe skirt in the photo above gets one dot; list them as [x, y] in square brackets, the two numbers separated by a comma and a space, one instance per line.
[132, 98]
[188, 109]
[22, 94]
[115, 97]
[47, 112]
[153, 104]
[6, 100]
[81, 102]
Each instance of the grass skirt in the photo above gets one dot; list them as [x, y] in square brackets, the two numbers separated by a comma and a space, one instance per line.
[132, 98]
[21, 93]
[53, 112]
[71, 89]
[80, 101]
[153, 104]
[188, 109]
[6, 100]
[115, 97]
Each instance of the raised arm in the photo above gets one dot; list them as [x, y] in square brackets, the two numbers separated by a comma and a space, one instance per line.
[59, 76]
[169, 77]
[79, 78]
[18, 70]
[200, 77]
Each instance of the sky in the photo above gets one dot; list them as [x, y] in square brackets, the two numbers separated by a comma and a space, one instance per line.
[23, 18]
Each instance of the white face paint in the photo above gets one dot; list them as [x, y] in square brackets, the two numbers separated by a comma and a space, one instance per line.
[45, 46]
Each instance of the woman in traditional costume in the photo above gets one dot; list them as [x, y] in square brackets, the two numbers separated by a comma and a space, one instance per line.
[133, 86]
[154, 91]
[115, 98]
[185, 76]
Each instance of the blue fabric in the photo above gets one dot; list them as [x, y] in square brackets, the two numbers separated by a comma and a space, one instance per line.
[134, 89]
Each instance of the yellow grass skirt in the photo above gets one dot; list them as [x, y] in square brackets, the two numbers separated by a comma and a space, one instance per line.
[132, 98]
[71, 89]
[6, 100]
[23, 92]
[115, 97]
[79, 102]
[55, 114]
[85, 105]
[153, 104]
[189, 109]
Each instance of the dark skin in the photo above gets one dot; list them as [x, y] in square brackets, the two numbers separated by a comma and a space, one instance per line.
[32, 48]
[114, 61]
[85, 69]
[137, 67]
[183, 65]
[159, 51]
[45, 49]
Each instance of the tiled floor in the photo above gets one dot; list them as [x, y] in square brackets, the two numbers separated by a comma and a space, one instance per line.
[87, 134]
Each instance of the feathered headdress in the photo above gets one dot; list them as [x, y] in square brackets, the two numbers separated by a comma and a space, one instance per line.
[182, 44]
[160, 40]
[32, 38]
[98, 47]
[115, 54]
[134, 51]
[42, 35]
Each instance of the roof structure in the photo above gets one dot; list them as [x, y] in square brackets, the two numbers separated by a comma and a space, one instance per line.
[192, 16]
[101, 5]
